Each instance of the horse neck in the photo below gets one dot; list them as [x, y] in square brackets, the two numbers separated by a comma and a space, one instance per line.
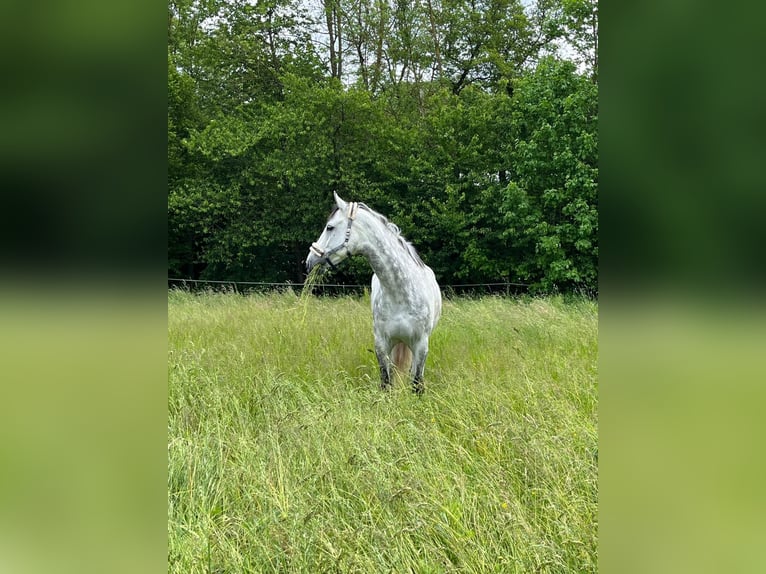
[389, 259]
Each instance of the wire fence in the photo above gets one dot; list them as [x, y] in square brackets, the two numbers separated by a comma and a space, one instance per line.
[507, 287]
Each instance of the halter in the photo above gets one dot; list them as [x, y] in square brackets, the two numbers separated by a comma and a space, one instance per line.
[324, 256]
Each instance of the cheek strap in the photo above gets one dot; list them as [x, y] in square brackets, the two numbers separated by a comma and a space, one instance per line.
[324, 256]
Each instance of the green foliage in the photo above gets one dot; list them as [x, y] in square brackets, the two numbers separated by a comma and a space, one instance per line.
[490, 168]
[550, 205]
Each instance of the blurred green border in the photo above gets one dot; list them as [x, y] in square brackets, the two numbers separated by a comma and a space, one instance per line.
[681, 327]
[681, 372]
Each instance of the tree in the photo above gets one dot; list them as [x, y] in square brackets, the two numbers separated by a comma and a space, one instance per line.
[550, 203]
[581, 22]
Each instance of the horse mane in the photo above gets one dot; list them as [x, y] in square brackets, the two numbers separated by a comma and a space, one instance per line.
[393, 228]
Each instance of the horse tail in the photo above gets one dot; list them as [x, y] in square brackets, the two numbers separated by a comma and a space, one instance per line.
[401, 356]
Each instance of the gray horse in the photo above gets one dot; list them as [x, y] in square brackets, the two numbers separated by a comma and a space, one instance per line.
[406, 300]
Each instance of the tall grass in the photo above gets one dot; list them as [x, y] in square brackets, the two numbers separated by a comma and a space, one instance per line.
[285, 456]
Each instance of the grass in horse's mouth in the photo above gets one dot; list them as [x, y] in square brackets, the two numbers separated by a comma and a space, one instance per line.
[312, 279]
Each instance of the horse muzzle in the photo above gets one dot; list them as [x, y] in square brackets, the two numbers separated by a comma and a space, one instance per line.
[318, 256]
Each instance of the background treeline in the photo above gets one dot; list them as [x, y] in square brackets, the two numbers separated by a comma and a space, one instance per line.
[470, 123]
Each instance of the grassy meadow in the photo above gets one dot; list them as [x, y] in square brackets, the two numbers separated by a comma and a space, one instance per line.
[285, 456]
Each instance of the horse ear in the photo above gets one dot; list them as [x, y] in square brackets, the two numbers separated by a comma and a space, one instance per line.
[339, 202]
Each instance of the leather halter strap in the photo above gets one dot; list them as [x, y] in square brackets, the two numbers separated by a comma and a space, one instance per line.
[324, 256]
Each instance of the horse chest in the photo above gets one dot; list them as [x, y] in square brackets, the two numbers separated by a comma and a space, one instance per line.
[395, 322]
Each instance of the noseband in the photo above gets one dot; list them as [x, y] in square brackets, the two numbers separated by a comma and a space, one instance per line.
[324, 256]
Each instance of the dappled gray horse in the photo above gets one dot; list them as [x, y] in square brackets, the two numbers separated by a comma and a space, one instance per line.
[406, 300]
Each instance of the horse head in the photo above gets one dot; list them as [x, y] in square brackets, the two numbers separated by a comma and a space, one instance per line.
[335, 243]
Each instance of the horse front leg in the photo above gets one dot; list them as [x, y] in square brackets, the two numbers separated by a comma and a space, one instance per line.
[419, 355]
[384, 362]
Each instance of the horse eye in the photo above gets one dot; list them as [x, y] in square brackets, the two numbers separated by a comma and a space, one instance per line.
[330, 227]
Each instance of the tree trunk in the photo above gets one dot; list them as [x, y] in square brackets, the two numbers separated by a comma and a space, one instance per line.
[376, 68]
[329, 11]
[336, 6]
[361, 52]
[435, 39]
